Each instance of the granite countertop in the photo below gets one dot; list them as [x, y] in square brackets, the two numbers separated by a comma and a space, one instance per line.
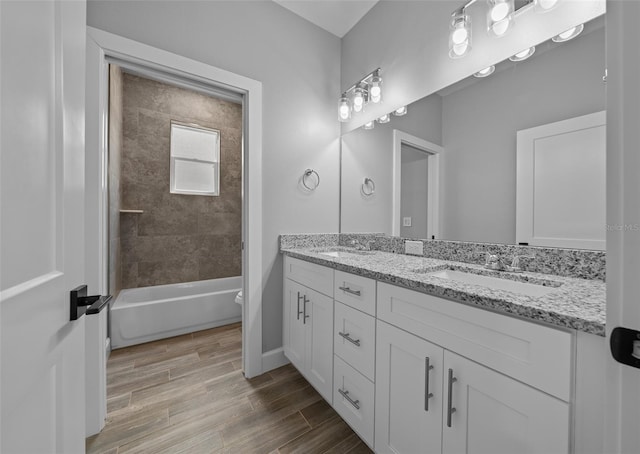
[575, 303]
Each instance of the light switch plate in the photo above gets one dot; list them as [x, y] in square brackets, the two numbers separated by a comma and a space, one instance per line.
[406, 221]
[413, 247]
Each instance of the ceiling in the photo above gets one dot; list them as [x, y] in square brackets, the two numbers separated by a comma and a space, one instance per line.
[335, 16]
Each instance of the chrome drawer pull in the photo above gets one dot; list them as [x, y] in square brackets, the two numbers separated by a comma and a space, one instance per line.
[450, 408]
[348, 290]
[299, 311]
[427, 394]
[346, 336]
[304, 310]
[345, 394]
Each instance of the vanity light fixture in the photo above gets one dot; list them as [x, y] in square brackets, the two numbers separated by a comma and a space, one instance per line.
[369, 125]
[355, 98]
[386, 118]
[523, 55]
[400, 111]
[568, 34]
[485, 72]
[500, 17]
[459, 33]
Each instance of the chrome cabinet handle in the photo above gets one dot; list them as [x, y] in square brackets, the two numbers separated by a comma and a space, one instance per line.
[427, 394]
[345, 394]
[348, 290]
[299, 311]
[450, 408]
[346, 336]
[304, 310]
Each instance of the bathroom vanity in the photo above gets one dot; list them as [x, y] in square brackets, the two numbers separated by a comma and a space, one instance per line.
[425, 355]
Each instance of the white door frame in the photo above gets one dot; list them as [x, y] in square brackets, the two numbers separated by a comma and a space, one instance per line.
[100, 45]
[433, 198]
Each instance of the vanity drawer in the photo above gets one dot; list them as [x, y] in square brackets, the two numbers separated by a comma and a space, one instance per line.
[356, 291]
[534, 354]
[353, 399]
[354, 339]
[316, 277]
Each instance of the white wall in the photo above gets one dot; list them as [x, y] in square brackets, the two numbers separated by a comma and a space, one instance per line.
[414, 191]
[479, 132]
[299, 67]
[409, 41]
[369, 153]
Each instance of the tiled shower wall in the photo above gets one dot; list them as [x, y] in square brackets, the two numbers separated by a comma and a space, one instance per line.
[178, 238]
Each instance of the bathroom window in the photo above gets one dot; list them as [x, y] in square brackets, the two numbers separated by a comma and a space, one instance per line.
[195, 160]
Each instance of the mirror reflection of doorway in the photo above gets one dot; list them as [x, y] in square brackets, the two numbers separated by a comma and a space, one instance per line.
[414, 192]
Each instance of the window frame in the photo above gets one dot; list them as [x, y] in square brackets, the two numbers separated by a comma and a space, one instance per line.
[215, 163]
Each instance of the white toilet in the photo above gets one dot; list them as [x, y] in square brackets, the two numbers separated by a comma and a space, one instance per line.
[239, 299]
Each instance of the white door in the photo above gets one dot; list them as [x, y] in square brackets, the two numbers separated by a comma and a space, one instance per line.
[623, 219]
[408, 371]
[317, 315]
[42, 225]
[495, 414]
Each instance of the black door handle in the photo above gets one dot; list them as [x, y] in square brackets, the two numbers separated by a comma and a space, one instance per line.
[81, 304]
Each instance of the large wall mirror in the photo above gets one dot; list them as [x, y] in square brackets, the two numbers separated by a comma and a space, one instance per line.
[473, 126]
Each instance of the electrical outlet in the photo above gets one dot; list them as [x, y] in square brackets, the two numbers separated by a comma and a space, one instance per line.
[406, 221]
[413, 247]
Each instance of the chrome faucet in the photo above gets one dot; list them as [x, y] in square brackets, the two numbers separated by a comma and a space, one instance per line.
[361, 247]
[494, 262]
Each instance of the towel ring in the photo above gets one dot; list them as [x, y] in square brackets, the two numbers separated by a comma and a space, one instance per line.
[368, 187]
[307, 173]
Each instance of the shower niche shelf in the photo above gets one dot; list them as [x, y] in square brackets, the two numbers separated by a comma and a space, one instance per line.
[132, 211]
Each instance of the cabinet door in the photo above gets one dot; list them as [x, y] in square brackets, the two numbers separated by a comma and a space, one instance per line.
[317, 318]
[407, 420]
[294, 330]
[495, 414]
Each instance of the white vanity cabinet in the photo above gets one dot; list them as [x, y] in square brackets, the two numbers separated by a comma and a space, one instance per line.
[431, 399]
[308, 323]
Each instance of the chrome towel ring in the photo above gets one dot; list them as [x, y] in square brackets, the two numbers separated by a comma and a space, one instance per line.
[368, 187]
[310, 183]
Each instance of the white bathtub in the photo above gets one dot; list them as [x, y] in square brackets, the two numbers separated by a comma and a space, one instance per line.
[149, 313]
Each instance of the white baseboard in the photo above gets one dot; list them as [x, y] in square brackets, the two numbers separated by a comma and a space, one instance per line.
[273, 359]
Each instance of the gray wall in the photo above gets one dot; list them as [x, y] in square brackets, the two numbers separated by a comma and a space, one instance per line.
[479, 132]
[179, 237]
[414, 191]
[299, 67]
[369, 153]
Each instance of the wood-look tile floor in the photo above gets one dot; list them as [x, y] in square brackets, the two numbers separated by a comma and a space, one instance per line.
[187, 394]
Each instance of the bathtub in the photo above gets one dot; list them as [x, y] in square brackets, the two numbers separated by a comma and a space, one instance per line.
[149, 313]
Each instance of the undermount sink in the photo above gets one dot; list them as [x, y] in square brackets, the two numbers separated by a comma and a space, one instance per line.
[344, 252]
[536, 289]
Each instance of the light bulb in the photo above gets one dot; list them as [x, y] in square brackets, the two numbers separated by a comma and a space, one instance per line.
[375, 88]
[400, 111]
[369, 125]
[459, 34]
[523, 55]
[358, 99]
[485, 72]
[344, 108]
[545, 5]
[568, 34]
[499, 11]
[384, 119]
